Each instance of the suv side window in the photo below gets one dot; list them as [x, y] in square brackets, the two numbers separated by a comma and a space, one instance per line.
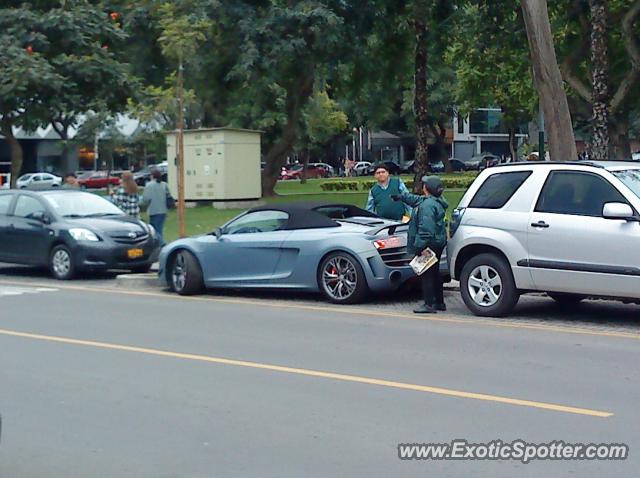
[577, 193]
[498, 189]
[5, 202]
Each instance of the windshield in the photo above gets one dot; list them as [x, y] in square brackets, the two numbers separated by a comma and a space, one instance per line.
[81, 204]
[631, 178]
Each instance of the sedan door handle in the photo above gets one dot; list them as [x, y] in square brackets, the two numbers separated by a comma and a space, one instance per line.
[541, 224]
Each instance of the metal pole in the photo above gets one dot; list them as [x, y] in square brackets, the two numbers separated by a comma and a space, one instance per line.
[180, 139]
[360, 138]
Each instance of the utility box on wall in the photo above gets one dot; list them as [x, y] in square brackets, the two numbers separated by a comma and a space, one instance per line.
[220, 164]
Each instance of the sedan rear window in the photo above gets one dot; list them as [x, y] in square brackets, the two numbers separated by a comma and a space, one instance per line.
[498, 189]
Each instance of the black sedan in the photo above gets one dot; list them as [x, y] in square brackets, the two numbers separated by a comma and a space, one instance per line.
[69, 231]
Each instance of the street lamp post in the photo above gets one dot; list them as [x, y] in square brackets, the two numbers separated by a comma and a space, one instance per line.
[180, 145]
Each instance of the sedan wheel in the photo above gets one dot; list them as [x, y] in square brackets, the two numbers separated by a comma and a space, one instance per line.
[341, 279]
[61, 263]
[185, 274]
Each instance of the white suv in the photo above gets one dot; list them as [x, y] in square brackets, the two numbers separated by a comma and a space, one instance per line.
[571, 230]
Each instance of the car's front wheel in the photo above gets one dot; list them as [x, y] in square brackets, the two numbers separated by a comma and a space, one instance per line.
[487, 286]
[185, 274]
[341, 279]
[61, 263]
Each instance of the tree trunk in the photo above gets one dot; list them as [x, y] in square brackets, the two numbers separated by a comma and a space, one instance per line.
[599, 145]
[513, 149]
[421, 165]
[297, 95]
[440, 134]
[16, 151]
[548, 81]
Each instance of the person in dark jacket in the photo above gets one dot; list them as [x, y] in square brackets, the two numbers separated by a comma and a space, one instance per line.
[379, 201]
[427, 230]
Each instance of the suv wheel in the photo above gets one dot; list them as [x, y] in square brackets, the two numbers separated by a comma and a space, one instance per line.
[487, 286]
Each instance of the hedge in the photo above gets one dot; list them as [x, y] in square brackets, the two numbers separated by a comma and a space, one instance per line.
[462, 182]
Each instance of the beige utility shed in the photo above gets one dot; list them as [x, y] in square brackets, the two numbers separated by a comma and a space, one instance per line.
[220, 164]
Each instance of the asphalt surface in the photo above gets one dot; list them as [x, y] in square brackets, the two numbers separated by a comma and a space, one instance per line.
[98, 381]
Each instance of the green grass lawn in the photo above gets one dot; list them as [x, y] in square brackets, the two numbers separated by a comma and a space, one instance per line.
[203, 219]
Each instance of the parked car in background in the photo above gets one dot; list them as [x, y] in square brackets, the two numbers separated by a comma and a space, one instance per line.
[489, 162]
[327, 167]
[407, 168]
[38, 181]
[295, 172]
[361, 168]
[474, 163]
[548, 227]
[69, 231]
[98, 180]
[394, 168]
[456, 166]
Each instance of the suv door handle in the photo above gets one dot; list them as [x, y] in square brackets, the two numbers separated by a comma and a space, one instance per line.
[541, 224]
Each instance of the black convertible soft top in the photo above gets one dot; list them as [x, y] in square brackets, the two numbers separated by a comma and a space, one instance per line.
[313, 214]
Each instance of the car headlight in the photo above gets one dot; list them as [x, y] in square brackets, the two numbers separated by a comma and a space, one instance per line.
[80, 234]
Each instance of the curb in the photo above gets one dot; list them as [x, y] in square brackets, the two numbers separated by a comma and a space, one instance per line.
[129, 281]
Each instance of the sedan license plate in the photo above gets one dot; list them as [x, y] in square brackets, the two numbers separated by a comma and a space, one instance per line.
[135, 253]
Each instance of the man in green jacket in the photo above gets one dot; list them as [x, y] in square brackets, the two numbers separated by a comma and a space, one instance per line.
[379, 201]
[427, 230]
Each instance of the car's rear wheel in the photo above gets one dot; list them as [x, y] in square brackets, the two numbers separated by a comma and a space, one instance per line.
[342, 279]
[185, 274]
[61, 263]
[487, 286]
[566, 300]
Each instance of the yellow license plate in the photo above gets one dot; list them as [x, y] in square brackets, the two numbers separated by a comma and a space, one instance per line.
[135, 253]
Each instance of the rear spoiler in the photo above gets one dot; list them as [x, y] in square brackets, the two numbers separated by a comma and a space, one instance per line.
[392, 229]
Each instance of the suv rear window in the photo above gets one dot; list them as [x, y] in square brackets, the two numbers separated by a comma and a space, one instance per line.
[498, 189]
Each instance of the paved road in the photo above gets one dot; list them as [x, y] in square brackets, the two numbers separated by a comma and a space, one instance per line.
[96, 381]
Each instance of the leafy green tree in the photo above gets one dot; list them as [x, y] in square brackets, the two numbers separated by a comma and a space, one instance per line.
[323, 120]
[489, 52]
[58, 62]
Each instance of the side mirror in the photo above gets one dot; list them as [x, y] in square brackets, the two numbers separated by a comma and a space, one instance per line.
[218, 232]
[41, 216]
[618, 210]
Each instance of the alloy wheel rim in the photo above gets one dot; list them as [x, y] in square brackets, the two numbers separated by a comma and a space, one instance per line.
[61, 262]
[339, 278]
[179, 273]
[485, 286]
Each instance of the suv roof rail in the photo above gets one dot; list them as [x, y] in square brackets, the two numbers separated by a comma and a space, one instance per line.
[540, 163]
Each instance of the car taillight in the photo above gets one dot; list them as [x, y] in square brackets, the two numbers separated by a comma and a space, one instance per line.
[388, 243]
[456, 219]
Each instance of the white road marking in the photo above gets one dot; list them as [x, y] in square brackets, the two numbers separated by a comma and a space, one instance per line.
[6, 290]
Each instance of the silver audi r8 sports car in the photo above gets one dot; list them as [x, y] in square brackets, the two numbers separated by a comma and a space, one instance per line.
[339, 250]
